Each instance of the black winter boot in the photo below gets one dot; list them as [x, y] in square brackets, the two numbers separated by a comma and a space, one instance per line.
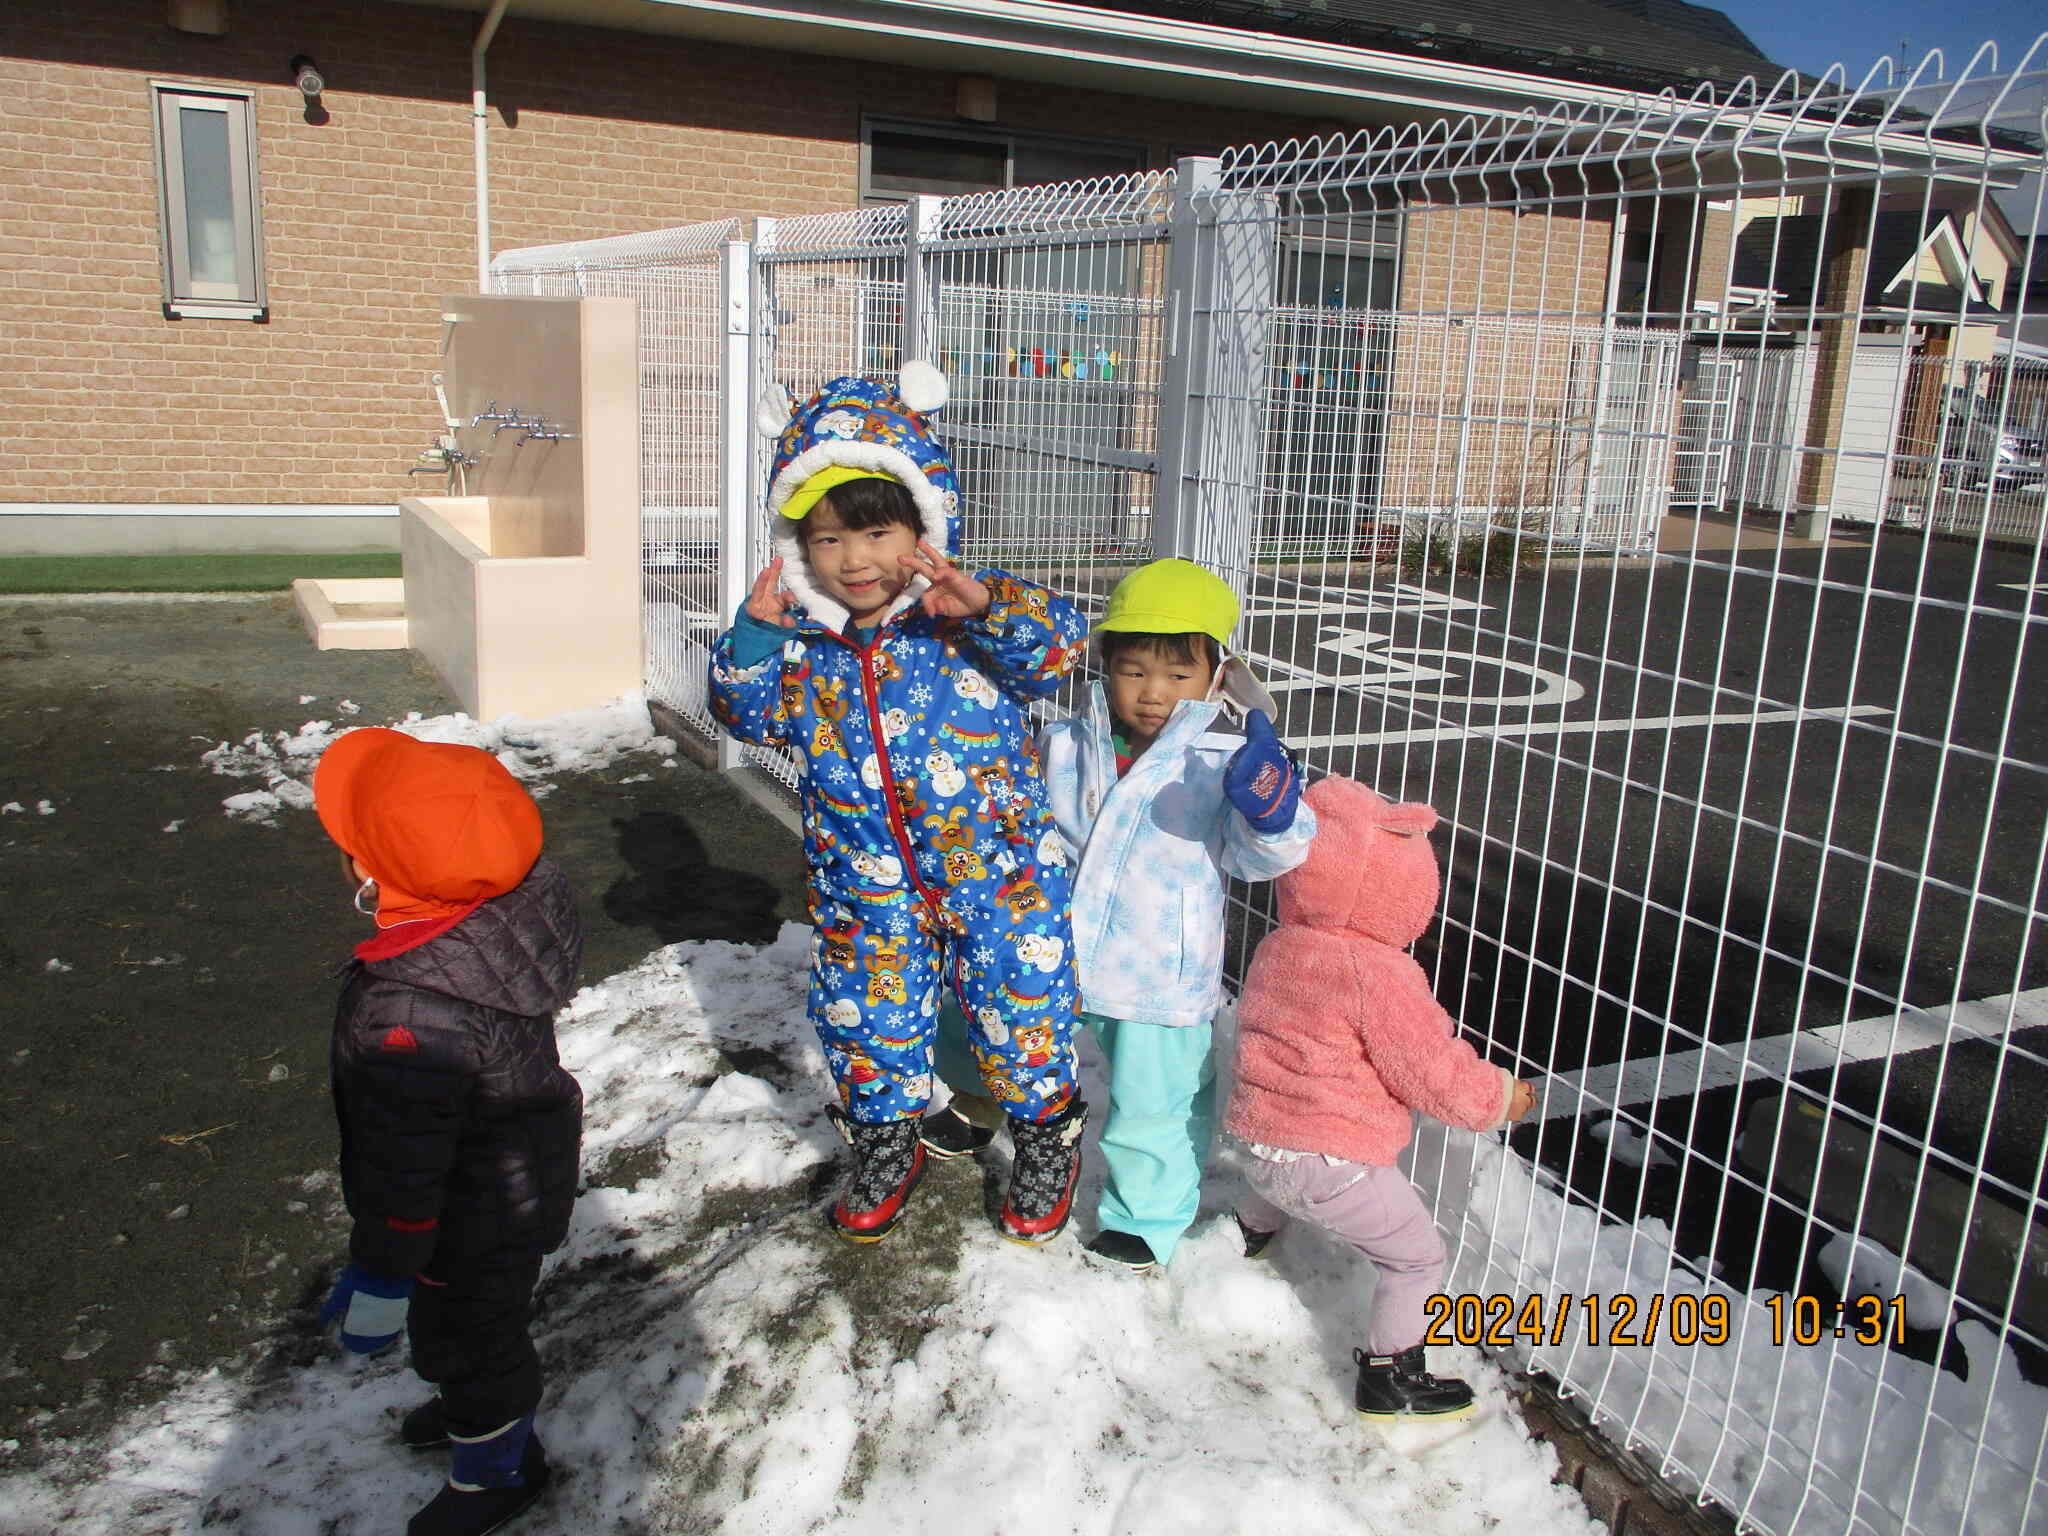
[1043, 1173]
[1255, 1242]
[1126, 1250]
[888, 1162]
[948, 1133]
[425, 1428]
[1393, 1386]
[490, 1480]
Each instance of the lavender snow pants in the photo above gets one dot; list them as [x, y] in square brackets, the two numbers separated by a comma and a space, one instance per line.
[1375, 1210]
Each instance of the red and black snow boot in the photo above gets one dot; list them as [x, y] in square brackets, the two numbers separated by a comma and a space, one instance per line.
[1043, 1174]
[888, 1162]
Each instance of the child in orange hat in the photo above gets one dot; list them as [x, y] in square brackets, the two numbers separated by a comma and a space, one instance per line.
[459, 1129]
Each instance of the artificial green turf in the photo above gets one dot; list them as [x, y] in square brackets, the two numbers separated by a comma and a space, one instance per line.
[180, 573]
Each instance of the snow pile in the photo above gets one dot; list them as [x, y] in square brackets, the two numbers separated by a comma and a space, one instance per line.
[1862, 1266]
[718, 1360]
[1752, 1420]
[536, 751]
[1627, 1144]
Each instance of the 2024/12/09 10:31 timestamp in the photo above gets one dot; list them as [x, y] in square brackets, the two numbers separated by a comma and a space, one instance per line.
[1619, 1320]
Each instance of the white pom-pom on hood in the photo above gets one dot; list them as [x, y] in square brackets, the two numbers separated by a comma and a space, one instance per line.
[921, 386]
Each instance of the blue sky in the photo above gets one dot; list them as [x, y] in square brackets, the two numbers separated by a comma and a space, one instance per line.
[1811, 34]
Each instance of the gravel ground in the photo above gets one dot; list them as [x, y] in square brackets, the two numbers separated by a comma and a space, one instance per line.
[165, 982]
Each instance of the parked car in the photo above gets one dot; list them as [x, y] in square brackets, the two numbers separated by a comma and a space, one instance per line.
[1977, 452]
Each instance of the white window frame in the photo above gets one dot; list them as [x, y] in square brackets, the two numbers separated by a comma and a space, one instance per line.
[183, 295]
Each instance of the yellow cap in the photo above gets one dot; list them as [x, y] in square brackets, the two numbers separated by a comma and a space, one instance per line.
[1171, 597]
[815, 489]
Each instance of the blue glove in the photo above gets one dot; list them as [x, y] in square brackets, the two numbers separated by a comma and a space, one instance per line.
[1260, 779]
[371, 1307]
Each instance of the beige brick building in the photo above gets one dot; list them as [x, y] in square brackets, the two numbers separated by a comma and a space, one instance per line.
[602, 117]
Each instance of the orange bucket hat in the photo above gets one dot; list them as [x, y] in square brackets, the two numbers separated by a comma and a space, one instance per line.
[439, 827]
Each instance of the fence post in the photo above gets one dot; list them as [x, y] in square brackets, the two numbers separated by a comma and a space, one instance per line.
[1220, 277]
[735, 446]
[920, 289]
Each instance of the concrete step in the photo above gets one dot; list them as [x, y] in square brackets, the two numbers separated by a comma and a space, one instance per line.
[353, 614]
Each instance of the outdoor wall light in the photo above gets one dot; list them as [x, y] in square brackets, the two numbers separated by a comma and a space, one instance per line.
[307, 77]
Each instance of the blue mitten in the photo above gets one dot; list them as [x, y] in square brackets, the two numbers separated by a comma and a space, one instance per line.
[371, 1307]
[1260, 779]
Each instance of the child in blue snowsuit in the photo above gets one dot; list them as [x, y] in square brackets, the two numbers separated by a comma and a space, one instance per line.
[1163, 798]
[902, 686]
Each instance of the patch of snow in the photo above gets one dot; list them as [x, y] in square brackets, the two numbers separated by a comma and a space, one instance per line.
[535, 751]
[719, 1360]
[1628, 1145]
[1865, 1267]
[1794, 1438]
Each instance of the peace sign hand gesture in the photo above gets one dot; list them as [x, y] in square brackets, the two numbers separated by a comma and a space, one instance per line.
[767, 602]
[953, 593]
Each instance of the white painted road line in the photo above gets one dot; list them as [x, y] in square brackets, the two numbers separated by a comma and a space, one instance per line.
[1424, 735]
[1600, 1090]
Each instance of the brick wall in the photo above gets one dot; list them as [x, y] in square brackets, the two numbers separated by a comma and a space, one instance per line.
[367, 218]
[1494, 303]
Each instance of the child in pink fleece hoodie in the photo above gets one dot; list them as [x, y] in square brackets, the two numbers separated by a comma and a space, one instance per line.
[1339, 1040]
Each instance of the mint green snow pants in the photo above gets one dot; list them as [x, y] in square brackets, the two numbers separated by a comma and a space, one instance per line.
[1162, 1114]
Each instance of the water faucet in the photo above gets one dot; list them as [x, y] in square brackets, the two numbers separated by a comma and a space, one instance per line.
[443, 459]
[492, 413]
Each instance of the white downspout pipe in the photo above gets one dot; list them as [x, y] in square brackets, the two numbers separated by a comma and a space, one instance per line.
[479, 114]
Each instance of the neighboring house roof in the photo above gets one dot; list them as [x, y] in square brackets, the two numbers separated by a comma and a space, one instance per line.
[1630, 43]
[1677, 16]
[1783, 256]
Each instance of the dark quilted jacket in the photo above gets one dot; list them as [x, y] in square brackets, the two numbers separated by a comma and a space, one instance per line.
[459, 1128]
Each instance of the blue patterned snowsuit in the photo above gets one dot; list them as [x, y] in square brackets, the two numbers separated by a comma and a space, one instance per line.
[933, 853]
[934, 858]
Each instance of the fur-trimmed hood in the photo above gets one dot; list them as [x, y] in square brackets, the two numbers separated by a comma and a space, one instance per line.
[864, 424]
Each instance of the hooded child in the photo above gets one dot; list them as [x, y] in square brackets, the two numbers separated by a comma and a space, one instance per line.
[1169, 784]
[1339, 1043]
[459, 1128]
[902, 687]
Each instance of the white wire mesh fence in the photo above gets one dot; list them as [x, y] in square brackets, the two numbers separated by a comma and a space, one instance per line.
[1657, 492]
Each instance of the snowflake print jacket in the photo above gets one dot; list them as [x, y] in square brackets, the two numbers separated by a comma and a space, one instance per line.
[920, 772]
[1154, 848]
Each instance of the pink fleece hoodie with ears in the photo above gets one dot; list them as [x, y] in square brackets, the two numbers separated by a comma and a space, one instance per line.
[1338, 1037]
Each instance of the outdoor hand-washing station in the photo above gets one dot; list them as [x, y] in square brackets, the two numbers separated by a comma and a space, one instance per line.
[522, 591]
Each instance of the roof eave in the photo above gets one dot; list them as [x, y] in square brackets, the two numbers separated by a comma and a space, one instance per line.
[1147, 55]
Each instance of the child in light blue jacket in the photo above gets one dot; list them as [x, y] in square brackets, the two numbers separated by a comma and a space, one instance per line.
[1162, 797]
